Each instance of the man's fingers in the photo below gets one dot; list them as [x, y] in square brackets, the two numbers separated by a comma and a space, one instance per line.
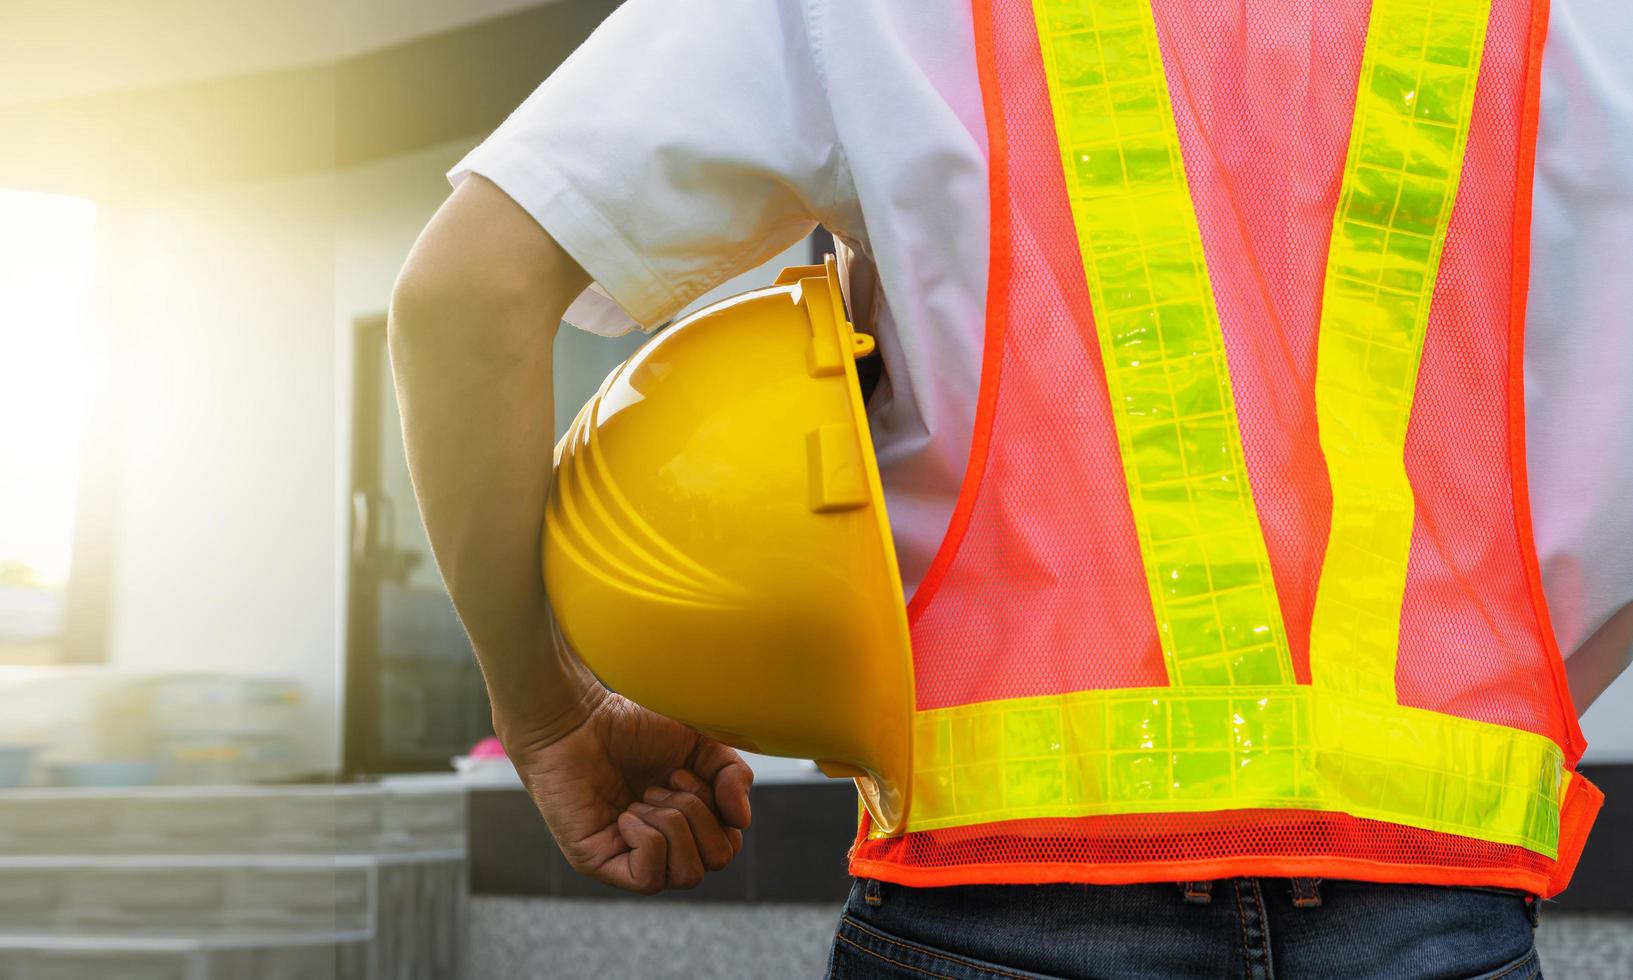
[685, 865]
[731, 786]
[707, 833]
[685, 782]
[644, 866]
[729, 777]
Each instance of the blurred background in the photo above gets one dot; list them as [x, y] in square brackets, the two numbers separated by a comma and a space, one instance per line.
[237, 715]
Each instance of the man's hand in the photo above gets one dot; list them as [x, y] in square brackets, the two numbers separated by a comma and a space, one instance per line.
[636, 799]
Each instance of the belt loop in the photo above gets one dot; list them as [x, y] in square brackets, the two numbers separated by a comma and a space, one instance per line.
[872, 894]
[1197, 892]
[1305, 893]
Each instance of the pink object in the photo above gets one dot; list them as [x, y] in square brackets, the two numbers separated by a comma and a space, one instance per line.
[488, 748]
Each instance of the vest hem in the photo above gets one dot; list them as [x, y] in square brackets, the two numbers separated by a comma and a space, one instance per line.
[1356, 869]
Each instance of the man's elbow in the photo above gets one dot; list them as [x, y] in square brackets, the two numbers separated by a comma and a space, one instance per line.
[438, 306]
[421, 303]
[482, 271]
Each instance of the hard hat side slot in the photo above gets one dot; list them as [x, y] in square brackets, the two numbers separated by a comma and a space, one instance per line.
[838, 479]
[824, 358]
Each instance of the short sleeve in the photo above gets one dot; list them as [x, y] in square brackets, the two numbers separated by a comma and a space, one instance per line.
[685, 142]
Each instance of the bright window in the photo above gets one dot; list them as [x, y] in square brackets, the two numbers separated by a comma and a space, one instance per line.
[47, 247]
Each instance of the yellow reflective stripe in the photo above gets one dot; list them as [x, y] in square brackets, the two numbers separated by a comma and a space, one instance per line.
[1165, 750]
[1212, 593]
[1412, 113]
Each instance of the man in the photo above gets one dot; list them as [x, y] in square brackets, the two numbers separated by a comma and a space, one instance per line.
[687, 142]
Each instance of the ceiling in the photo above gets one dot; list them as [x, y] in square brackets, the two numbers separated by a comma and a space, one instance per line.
[57, 49]
[99, 101]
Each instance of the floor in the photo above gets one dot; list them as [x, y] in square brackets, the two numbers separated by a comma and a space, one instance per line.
[611, 940]
[1586, 947]
[570, 939]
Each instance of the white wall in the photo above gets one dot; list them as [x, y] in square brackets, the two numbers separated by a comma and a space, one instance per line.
[222, 317]
[232, 312]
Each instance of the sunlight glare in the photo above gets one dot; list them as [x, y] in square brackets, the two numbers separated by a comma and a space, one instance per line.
[47, 247]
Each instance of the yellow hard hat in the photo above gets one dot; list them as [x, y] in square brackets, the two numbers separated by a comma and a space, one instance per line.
[716, 547]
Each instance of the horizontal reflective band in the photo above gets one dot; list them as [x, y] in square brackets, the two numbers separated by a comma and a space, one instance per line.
[1162, 750]
[1412, 114]
[1212, 594]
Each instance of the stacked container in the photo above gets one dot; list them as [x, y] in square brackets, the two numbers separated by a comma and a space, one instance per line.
[264, 883]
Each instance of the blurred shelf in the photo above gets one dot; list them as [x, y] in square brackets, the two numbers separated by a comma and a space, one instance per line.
[176, 942]
[154, 862]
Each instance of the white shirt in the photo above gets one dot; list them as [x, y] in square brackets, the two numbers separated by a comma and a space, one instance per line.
[688, 141]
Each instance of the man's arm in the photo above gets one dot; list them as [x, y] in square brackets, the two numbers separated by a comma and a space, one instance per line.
[633, 798]
[1600, 659]
[473, 320]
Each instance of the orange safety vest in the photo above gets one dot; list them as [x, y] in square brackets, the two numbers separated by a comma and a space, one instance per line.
[1241, 579]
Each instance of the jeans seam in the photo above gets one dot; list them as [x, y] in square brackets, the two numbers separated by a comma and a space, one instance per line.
[1241, 922]
[967, 964]
[1264, 926]
[853, 944]
[1526, 961]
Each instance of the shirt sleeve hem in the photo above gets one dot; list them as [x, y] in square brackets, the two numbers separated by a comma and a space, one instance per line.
[579, 227]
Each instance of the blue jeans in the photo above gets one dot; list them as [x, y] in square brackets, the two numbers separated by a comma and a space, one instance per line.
[1253, 928]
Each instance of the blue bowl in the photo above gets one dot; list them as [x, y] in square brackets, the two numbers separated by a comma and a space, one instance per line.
[14, 760]
[104, 774]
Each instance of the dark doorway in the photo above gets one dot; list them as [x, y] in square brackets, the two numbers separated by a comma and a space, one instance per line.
[414, 696]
